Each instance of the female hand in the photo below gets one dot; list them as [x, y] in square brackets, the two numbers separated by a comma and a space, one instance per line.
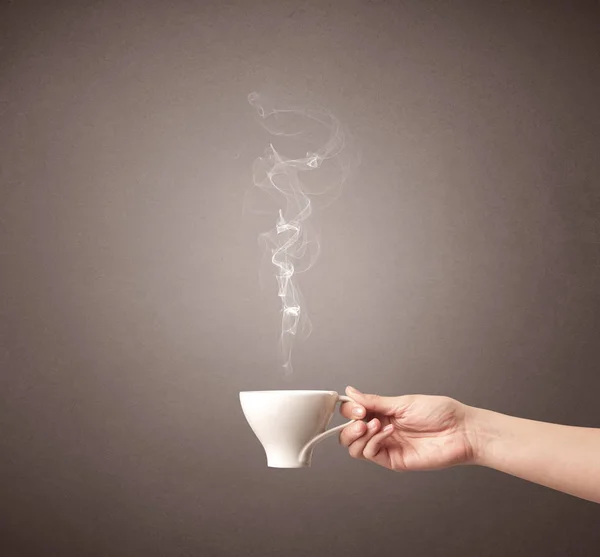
[412, 432]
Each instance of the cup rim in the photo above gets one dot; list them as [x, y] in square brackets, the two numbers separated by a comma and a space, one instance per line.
[290, 391]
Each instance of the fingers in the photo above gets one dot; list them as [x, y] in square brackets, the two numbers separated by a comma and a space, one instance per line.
[357, 447]
[384, 405]
[364, 440]
[352, 411]
[373, 447]
[352, 432]
[367, 404]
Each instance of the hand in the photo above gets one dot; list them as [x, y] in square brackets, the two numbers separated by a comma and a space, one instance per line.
[413, 432]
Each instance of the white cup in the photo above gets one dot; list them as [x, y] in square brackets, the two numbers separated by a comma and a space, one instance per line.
[289, 424]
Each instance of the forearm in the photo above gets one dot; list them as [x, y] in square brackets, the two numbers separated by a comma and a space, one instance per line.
[561, 457]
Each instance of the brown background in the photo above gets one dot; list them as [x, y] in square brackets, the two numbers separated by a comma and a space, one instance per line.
[462, 258]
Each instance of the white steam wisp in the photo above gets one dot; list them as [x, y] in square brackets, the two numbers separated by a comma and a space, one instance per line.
[292, 245]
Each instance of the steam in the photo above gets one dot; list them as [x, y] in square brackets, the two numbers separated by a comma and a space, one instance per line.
[292, 246]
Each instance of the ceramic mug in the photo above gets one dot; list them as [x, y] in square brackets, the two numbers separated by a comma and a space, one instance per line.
[289, 424]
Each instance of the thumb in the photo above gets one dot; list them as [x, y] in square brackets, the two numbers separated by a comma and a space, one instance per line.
[385, 405]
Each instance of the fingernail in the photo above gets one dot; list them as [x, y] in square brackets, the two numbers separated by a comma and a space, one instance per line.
[388, 427]
[353, 390]
[358, 427]
[358, 411]
[372, 424]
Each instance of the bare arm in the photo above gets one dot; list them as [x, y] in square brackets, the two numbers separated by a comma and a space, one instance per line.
[561, 457]
[420, 432]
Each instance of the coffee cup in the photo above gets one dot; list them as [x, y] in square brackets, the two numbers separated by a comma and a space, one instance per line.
[290, 423]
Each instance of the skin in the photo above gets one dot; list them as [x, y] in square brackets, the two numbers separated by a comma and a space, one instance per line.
[420, 432]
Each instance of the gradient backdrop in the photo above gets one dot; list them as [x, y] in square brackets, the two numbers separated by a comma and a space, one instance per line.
[462, 259]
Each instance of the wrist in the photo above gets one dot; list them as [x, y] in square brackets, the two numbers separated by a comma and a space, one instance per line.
[482, 432]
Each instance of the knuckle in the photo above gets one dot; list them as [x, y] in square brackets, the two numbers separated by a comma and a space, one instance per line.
[343, 439]
[370, 452]
[349, 435]
[355, 452]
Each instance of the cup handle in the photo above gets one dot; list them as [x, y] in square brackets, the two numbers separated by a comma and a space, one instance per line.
[329, 432]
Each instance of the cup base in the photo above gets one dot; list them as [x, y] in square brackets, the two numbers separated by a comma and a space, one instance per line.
[278, 462]
[288, 466]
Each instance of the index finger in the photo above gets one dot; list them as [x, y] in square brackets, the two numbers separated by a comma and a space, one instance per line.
[352, 410]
